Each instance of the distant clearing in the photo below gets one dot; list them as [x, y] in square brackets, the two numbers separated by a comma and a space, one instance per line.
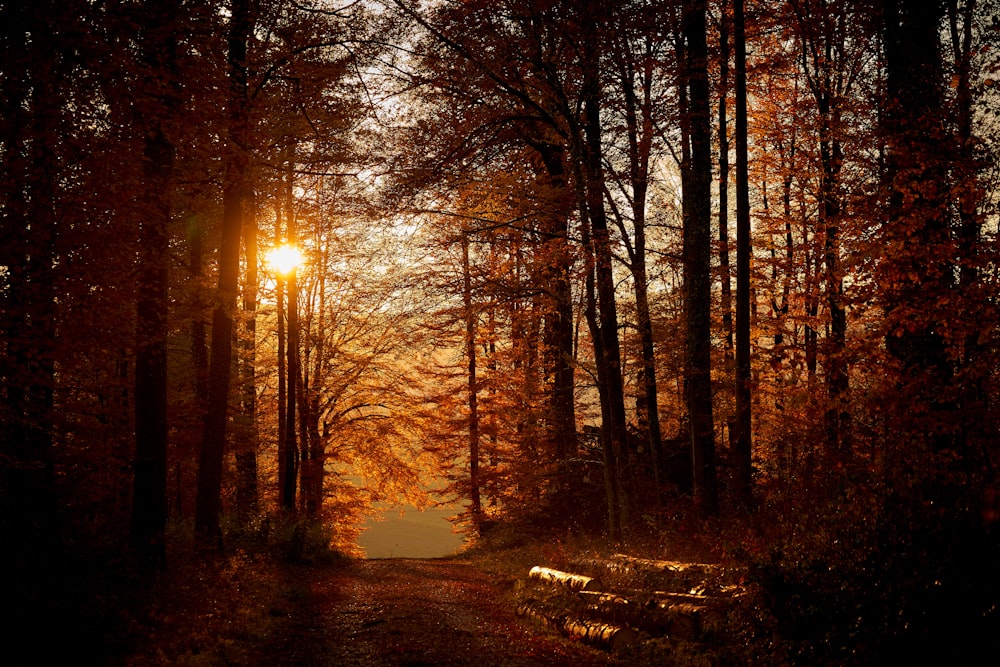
[415, 534]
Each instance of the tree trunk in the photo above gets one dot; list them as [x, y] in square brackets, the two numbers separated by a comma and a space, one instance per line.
[610, 357]
[247, 494]
[558, 262]
[697, 180]
[595, 633]
[292, 454]
[283, 469]
[313, 442]
[744, 445]
[639, 123]
[568, 580]
[975, 399]
[724, 269]
[292, 457]
[609, 455]
[476, 505]
[149, 502]
[199, 344]
[917, 279]
[822, 45]
[208, 506]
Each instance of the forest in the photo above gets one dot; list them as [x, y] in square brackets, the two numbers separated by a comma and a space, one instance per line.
[622, 273]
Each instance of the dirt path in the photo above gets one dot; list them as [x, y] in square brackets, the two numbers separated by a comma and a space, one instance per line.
[408, 612]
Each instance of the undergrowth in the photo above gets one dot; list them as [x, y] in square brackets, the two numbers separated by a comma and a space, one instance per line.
[79, 605]
[861, 574]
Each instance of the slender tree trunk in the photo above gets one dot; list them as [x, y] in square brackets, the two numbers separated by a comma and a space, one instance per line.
[811, 305]
[208, 507]
[476, 505]
[837, 414]
[303, 388]
[917, 279]
[697, 182]
[609, 455]
[639, 123]
[610, 357]
[821, 76]
[558, 262]
[247, 494]
[724, 270]
[292, 456]
[314, 443]
[149, 502]
[974, 400]
[199, 344]
[744, 445]
[283, 470]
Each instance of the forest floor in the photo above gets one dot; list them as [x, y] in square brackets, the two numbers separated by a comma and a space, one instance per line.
[358, 613]
[413, 612]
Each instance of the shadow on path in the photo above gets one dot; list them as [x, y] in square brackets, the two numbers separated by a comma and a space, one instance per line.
[410, 612]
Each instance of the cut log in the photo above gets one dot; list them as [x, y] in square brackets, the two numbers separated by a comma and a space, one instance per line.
[632, 564]
[600, 634]
[660, 574]
[602, 598]
[547, 617]
[568, 580]
[595, 633]
[682, 620]
[709, 601]
[657, 618]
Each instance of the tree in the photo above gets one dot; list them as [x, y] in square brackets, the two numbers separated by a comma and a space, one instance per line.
[636, 44]
[697, 179]
[247, 486]
[831, 62]
[604, 327]
[158, 58]
[470, 317]
[917, 274]
[235, 197]
[528, 108]
[744, 250]
[970, 162]
[723, 139]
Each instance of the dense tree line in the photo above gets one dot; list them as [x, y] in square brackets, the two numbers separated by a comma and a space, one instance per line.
[524, 267]
[153, 152]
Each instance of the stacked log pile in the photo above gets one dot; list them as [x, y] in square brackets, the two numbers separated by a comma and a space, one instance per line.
[621, 600]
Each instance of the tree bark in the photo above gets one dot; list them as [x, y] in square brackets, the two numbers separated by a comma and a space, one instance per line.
[283, 468]
[595, 633]
[724, 268]
[199, 344]
[149, 502]
[558, 335]
[292, 456]
[823, 41]
[696, 185]
[917, 277]
[639, 124]
[247, 493]
[610, 353]
[208, 506]
[568, 580]
[475, 500]
[975, 400]
[743, 441]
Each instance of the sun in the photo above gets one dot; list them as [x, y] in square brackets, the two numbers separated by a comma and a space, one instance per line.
[285, 258]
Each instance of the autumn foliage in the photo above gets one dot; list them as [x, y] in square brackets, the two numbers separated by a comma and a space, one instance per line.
[525, 231]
